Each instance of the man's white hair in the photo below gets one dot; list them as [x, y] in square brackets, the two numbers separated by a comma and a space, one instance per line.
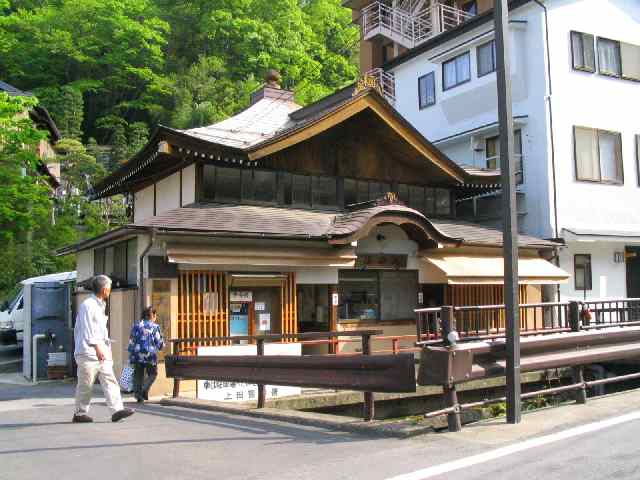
[100, 282]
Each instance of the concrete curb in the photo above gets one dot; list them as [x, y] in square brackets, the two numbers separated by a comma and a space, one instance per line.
[389, 429]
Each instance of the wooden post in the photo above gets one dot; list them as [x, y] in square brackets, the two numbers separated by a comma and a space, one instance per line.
[451, 400]
[578, 371]
[369, 402]
[262, 393]
[448, 323]
[333, 316]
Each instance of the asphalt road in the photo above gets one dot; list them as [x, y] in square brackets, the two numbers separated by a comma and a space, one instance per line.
[37, 441]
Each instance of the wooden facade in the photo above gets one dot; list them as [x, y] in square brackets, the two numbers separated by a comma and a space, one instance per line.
[203, 305]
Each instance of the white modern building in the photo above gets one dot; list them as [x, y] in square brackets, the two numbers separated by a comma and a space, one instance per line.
[575, 73]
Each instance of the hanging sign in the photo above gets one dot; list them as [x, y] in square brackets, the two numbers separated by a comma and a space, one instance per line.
[335, 299]
[259, 306]
[240, 296]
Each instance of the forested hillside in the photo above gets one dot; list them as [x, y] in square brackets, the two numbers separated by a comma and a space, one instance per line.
[110, 70]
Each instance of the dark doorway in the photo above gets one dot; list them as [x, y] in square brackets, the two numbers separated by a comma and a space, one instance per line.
[632, 257]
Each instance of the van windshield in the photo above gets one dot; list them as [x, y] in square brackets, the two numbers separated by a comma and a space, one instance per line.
[15, 301]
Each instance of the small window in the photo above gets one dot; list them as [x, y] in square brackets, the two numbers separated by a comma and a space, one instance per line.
[609, 57]
[416, 198]
[630, 58]
[598, 155]
[582, 271]
[264, 184]
[470, 7]
[443, 202]
[427, 90]
[324, 192]
[98, 261]
[284, 188]
[486, 58]
[227, 184]
[456, 71]
[582, 52]
[301, 190]
[429, 201]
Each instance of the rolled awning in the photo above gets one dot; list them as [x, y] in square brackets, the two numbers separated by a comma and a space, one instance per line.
[487, 270]
[267, 257]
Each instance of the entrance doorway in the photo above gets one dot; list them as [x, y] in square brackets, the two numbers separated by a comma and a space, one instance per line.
[632, 258]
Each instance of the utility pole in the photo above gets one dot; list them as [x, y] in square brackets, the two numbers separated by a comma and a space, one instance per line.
[510, 220]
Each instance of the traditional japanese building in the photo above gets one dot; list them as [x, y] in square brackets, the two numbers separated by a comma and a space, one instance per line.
[284, 219]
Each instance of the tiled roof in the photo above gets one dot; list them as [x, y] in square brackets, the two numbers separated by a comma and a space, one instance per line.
[258, 123]
[483, 235]
[243, 219]
[279, 222]
[13, 91]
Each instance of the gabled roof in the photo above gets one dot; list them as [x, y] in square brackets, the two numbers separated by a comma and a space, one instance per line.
[272, 124]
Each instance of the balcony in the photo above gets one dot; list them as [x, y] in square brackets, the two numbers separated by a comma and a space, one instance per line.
[410, 23]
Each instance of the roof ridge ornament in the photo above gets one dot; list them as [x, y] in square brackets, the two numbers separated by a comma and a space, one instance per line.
[366, 82]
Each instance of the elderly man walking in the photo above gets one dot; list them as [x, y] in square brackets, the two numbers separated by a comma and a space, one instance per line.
[93, 355]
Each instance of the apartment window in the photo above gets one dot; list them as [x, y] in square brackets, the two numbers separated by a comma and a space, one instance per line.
[486, 58]
[630, 58]
[582, 271]
[598, 155]
[427, 90]
[456, 71]
[609, 57]
[470, 7]
[492, 153]
[582, 52]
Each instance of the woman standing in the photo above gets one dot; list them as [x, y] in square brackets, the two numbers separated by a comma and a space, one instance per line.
[145, 342]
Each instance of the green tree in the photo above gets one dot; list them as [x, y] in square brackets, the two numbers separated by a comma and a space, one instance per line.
[111, 50]
[66, 106]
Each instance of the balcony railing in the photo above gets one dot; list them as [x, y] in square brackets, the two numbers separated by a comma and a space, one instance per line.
[409, 28]
[385, 82]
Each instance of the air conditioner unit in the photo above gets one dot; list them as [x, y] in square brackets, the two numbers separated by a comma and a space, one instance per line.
[477, 143]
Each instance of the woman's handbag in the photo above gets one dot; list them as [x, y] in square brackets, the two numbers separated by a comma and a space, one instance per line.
[126, 379]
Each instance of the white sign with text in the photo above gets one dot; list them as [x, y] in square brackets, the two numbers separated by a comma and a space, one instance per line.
[221, 391]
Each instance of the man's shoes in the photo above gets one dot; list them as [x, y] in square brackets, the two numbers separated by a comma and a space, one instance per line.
[146, 395]
[82, 418]
[120, 414]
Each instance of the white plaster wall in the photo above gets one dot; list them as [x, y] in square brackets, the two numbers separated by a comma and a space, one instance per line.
[471, 109]
[595, 101]
[608, 278]
[168, 193]
[84, 265]
[143, 204]
[189, 185]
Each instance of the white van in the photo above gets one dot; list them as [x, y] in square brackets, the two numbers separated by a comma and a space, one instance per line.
[12, 315]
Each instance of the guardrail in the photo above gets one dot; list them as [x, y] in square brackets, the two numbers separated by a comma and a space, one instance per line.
[456, 363]
[488, 321]
[365, 372]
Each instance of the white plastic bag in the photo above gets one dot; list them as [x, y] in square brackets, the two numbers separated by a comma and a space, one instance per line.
[126, 379]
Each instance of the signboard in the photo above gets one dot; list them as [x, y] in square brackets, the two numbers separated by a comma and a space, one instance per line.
[381, 261]
[335, 299]
[264, 321]
[210, 302]
[240, 296]
[241, 392]
[420, 298]
[259, 306]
